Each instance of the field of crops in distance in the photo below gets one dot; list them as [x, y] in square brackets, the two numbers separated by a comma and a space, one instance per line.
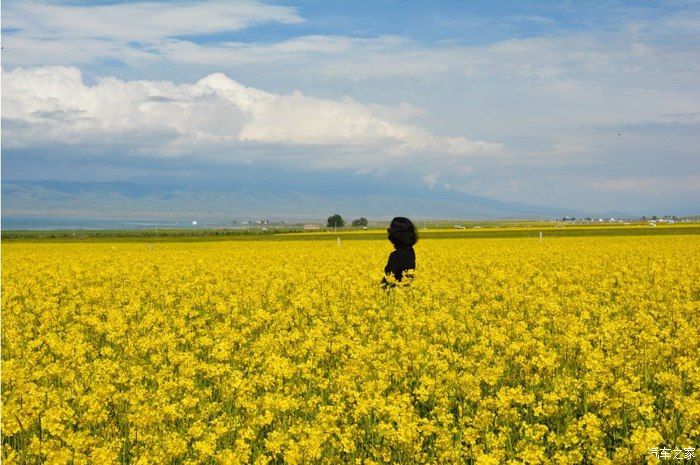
[487, 230]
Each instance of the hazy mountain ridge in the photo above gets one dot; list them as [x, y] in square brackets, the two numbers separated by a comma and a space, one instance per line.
[107, 199]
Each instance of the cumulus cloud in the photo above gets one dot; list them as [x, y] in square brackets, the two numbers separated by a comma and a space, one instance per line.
[52, 105]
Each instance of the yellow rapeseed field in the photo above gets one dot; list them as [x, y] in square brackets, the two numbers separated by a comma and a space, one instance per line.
[564, 351]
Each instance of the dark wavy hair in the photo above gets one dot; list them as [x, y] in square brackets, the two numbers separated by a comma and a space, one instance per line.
[402, 233]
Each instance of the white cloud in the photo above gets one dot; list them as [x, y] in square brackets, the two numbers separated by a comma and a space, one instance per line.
[141, 21]
[52, 105]
[39, 33]
[603, 76]
[316, 48]
[601, 59]
[431, 180]
[142, 32]
[29, 51]
[516, 85]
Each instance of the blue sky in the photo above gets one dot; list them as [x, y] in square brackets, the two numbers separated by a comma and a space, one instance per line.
[588, 105]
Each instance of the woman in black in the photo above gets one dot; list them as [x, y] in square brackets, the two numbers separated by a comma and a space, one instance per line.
[402, 261]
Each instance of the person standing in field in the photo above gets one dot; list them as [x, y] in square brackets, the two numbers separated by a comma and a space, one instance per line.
[402, 261]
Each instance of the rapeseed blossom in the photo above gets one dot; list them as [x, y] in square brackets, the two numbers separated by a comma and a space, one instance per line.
[574, 350]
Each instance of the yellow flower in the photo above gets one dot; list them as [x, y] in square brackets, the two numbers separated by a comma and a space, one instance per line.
[579, 349]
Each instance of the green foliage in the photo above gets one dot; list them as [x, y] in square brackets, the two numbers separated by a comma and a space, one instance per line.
[359, 223]
[336, 221]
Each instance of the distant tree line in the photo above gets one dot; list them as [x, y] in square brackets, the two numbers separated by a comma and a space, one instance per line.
[337, 221]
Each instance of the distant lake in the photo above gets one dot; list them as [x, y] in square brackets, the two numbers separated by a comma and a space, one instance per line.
[74, 222]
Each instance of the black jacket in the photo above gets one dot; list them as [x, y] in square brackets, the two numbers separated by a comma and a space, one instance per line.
[400, 260]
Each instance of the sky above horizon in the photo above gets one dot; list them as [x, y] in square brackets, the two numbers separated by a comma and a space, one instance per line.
[586, 105]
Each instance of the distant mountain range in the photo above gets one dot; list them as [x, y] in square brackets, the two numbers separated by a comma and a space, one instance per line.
[222, 200]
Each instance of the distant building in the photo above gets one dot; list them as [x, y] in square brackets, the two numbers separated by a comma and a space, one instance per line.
[311, 227]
